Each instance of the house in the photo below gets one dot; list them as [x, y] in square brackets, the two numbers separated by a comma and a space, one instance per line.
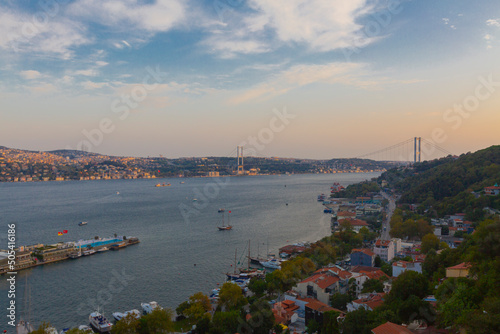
[285, 312]
[356, 224]
[493, 190]
[315, 310]
[345, 214]
[369, 301]
[362, 257]
[361, 274]
[460, 270]
[391, 328]
[319, 286]
[400, 267]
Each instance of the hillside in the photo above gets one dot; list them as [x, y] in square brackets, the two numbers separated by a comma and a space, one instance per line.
[450, 185]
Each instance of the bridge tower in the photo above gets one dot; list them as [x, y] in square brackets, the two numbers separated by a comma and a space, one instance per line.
[417, 152]
[239, 152]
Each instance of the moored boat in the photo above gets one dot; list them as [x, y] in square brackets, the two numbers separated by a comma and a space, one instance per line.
[82, 223]
[150, 307]
[99, 322]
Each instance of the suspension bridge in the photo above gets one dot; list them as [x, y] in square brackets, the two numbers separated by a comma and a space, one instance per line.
[411, 150]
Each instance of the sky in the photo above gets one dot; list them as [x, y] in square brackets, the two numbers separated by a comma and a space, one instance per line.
[314, 79]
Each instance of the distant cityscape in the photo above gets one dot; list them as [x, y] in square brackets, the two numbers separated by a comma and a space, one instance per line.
[18, 165]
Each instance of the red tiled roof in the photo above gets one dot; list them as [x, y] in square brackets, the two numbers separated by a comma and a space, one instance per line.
[463, 265]
[354, 222]
[363, 250]
[390, 328]
[343, 274]
[373, 301]
[374, 274]
[346, 213]
[320, 307]
[323, 280]
[382, 242]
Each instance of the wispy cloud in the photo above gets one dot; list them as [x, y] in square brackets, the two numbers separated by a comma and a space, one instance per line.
[319, 25]
[57, 36]
[30, 74]
[493, 22]
[156, 16]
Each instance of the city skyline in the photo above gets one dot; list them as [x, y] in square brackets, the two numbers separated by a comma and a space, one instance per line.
[196, 78]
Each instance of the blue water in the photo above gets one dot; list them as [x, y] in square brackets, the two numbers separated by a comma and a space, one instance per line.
[181, 250]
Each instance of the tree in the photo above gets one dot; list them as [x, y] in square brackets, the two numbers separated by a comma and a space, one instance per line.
[127, 325]
[357, 322]
[42, 329]
[373, 285]
[227, 322]
[429, 241]
[231, 297]
[378, 261]
[257, 286]
[408, 283]
[312, 326]
[158, 321]
[339, 301]
[330, 323]
[261, 317]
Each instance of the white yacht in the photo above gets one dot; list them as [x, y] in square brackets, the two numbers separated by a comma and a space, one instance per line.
[150, 307]
[99, 322]
[271, 263]
[119, 315]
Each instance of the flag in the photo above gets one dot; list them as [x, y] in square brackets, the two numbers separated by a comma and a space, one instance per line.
[65, 231]
[229, 211]
[60, 233]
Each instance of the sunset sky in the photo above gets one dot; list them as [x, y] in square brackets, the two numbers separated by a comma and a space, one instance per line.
[197, 78]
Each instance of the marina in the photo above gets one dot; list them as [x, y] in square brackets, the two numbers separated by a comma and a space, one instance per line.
[174, 232]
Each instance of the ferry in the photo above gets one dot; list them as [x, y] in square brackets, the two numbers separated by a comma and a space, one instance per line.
[99, 322]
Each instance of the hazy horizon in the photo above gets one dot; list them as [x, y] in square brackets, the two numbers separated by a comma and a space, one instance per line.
[317, 79]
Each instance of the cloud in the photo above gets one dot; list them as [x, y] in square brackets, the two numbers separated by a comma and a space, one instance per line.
[87, 73]
[493, 22]
[55, 36]
[101, 63]
[30, 74]
[155, 16]
[93, 85]
[320, 25]
[300, 75]
[44, 88]
[351, 74]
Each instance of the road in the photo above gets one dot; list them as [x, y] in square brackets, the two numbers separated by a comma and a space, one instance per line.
[386, 227]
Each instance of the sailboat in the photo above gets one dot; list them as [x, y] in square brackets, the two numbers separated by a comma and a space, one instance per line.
[225, 227]
[24, 326]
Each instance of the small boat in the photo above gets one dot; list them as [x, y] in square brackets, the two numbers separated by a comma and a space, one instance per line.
[88, 252]
[225, 227]
[150, 307]
[75, 255]
[194, 199]
[119, 315]
[103, 249]
[182, 182]
[82, 223]
[99, 322]
[85, 328]
[221, 210]
[118, 245]
[272, 263]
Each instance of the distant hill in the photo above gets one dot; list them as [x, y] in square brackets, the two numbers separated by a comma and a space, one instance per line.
[447, 185]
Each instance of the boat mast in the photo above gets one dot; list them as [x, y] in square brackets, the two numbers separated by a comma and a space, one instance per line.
[235, 252]
[248, 253]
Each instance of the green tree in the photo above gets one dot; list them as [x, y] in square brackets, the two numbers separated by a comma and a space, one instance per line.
[429, 241]
[261, 317]
[226, 322]
[231, 297]
[127, 325]
[42, 329]
[408, 283]
[357, 322]
[257, 286]
[378, 261]
[312, 326]
[373, 285]
[330, 323]
[340, 300]
[158, 321]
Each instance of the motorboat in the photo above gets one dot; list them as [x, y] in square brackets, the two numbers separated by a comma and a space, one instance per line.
[99, 322]
[82, 223]
[150, 307]
[119, 315]
[271, 263]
